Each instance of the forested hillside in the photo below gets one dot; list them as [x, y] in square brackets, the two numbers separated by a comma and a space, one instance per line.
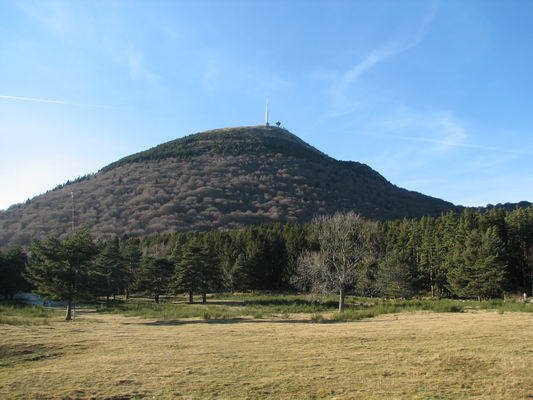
[475, 254]
[469, 254]
[220, 179]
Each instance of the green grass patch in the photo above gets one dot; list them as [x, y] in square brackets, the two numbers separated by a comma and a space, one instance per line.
[500, 305]
[170, 311]
[369, 310]
[220, 307]
[260, 306]
[15, 313]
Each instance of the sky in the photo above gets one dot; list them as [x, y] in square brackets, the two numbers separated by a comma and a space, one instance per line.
[434, 95]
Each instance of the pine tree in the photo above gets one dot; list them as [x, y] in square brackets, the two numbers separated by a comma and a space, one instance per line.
[131, 256]
[296, 240]
[155, 276]
[64, 270]
[112, 268]
[209, 270]
[394, 278]
[239, 278]
[520, 228]
[187, 277]
[479, 271]
[12, 268]
[491, 269]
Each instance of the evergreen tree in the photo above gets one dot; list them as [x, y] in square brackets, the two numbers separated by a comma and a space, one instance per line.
[520, 228]
[479, 272]
[187, 277]
[131, 256]
[209, 270]
[445, 245]
[112, 268]
[232, 263]
[12, 268]
[428, 265]
[236, 278]
[296, 240]
[199, 268]
[64, 270]
[253, 244]
[394, 278]
[155, 276]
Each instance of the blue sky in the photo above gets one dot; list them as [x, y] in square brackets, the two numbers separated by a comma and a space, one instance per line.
[436, 96]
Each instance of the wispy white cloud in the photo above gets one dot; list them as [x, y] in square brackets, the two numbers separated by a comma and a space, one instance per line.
[441, 129]
[52, 101]
[342, 104]
[137, 67]
[374, 57]
[452, 143]
[439, 154]
[387, 51]
[55, 15]
[75, 24]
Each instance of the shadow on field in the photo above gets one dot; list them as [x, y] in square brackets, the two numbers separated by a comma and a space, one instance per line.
[288, 302]
[225, 321]
[270, 303]
[224, 303]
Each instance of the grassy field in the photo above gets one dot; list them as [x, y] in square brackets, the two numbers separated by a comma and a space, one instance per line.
[283, 306]
[475, 354]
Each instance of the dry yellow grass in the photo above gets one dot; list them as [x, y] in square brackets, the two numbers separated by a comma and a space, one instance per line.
[476, 355]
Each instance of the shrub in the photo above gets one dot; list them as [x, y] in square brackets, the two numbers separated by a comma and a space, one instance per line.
[317, 318]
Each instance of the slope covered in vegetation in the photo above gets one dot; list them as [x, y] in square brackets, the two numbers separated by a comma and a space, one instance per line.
[217, 179]
[257, 141]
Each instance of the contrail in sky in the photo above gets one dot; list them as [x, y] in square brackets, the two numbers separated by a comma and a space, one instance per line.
[454, 144]
[52, 101]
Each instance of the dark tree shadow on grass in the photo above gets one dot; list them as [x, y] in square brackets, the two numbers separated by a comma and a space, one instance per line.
[224, 321]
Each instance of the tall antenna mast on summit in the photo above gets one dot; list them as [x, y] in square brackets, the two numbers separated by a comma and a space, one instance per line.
[266, 114]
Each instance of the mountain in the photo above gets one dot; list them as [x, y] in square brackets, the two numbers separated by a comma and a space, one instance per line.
[217, 179]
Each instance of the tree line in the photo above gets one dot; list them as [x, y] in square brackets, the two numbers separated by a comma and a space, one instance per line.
[475, 254]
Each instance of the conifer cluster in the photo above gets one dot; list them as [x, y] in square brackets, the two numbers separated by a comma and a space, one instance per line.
[475, 254]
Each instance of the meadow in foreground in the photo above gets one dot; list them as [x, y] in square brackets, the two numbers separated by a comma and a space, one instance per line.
[415, 355]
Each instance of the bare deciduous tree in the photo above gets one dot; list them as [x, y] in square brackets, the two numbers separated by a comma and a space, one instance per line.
[347, 242]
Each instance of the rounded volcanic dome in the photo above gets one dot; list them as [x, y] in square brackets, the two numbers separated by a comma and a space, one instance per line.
[233, 141]
[219, 179]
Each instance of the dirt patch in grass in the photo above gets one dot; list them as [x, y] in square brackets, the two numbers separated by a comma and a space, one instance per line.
[134, 396]
[17, 353]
